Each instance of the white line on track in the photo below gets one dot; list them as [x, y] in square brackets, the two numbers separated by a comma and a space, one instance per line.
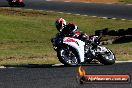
[60, 12]
[50, 11]
[68, 13]
[48, 0]
[58, 65]
[114, 18]
[93, 16]
[128, 4]
[81, 15]
[86, 2]
[123, 61]
[104, 17]
[77, 14]
[84, 15]
[2, 67]
[67, 1]
[123, 19]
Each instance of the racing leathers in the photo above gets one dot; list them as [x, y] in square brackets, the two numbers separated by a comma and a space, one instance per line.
[71, 30]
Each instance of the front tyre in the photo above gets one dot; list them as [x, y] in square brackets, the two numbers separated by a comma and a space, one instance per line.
[11, 4]
[107, 57]
[68, 57]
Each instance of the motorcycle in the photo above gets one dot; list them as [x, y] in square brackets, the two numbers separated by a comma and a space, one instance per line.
[73, 51]
[16, 3]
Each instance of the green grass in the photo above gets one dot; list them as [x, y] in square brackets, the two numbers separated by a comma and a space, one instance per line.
[122, 51]
[25, 35]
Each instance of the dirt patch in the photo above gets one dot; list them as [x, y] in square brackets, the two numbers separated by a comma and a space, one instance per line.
[30, 57]
[21, 13]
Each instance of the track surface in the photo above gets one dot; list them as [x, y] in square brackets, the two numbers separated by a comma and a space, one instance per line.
[47, 76]
[103, 10]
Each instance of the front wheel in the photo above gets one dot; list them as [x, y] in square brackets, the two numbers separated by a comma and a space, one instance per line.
[68, 56]
[11, 4]
[107, 57]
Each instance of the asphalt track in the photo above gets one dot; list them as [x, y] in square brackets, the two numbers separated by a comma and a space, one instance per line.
[48, 76]
[92, 9]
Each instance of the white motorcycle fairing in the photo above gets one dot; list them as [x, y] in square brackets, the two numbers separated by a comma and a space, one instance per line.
[76, 44]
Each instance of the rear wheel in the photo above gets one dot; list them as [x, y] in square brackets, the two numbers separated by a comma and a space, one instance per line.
[68, 56]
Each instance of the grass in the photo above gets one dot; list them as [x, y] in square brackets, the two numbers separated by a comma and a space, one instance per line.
[122, 51]
[25, 35]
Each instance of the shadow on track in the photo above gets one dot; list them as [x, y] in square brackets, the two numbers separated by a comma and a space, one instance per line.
[45, 66]
[62, 66]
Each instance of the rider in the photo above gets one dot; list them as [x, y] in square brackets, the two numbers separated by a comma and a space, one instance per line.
[70, 30]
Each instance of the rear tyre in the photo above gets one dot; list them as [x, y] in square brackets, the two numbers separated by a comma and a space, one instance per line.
[68, 56]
